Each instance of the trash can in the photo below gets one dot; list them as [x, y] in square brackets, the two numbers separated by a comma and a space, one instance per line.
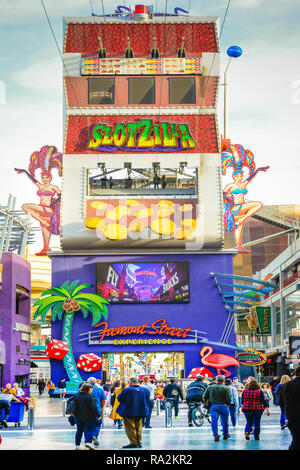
[16, 414]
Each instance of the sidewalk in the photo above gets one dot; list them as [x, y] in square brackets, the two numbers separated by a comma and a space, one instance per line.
[52, 431]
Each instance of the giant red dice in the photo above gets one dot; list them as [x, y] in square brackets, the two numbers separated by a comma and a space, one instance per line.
[57, 349]
[89, 362]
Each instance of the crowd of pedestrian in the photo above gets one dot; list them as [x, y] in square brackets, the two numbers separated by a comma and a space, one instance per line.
[129, 404]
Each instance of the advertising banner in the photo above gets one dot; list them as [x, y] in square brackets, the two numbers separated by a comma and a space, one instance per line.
[151, 133]
[143, 282]
[264, 320]
[294, 344]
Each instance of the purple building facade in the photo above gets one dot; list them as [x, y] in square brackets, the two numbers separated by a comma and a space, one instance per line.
[15, 321]
[205, 313]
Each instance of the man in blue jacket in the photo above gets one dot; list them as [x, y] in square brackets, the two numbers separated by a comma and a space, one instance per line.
[194, 394]
[134, 405]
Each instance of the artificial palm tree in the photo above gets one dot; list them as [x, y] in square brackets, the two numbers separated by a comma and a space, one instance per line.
[66, 300]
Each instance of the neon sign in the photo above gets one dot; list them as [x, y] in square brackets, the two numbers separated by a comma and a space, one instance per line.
[158, 327]
[142, 135]
[251, 358]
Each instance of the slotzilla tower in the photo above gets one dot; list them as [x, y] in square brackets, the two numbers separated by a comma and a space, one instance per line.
[141, 203]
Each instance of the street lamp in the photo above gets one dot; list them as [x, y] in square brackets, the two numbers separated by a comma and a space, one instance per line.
[233, 52]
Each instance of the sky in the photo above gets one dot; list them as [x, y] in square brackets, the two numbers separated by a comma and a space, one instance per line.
[263, 92]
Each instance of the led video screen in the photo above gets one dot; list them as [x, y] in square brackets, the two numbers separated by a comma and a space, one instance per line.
[144, 282]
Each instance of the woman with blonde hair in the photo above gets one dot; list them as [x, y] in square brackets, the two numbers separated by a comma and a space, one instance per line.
[114, 415]
[284, 379]
[266, 389]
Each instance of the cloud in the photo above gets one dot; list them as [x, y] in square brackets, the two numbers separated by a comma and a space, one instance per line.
[44, 75]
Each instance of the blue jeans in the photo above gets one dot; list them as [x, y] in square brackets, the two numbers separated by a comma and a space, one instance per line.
[87, 428]
[282, 417]
[232, 411]
[223, 412]
[253, 418]
[97, 427]
[148, 417]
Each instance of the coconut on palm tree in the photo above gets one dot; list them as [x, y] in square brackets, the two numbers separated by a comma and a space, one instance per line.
[64, 301]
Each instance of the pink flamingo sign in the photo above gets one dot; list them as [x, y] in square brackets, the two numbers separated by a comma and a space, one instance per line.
[217, 361]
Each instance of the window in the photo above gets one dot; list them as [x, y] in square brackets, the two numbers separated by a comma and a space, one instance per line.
[182, 90]
[101, 90]
[141, 91]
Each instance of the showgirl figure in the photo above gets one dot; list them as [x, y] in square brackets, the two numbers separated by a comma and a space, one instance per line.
[47, 212]
[236, 209]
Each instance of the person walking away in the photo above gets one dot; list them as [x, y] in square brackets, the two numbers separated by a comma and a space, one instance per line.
[99, 395]
[51, 389]
[253, 405]
[151, 387]
[62, 388]
[106, 386]
[115, 403]
[220, 398]
[284, 379]
[110, 398]
[194, 394]
[86, 414]
[134, 405]
[290, 402]
[41, 386]
[172, 392]
[234, 405]
[266, 389]
[240, 387]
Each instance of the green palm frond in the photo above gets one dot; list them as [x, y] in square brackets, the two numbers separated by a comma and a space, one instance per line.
[45, 304]
[55, 297]
[55, 291]
[79, 288]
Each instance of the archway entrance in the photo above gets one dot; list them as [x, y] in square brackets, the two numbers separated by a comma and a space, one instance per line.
[158, 365]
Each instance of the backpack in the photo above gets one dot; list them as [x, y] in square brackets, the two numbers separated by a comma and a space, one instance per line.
[71, 406]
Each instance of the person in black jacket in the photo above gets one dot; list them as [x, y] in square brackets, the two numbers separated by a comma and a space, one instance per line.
[172, 392]
[290, 401]
[194, 394]
[86, 414]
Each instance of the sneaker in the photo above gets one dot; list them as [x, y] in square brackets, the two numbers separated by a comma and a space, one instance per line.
[190, 425]
[256, 438]
[226, 437]
[95, 441]
[89, 445]
[217, 438]
[4, 423]
[77, 447]
[282, 427]
[247, 436]
[130, 446]
[176, 417]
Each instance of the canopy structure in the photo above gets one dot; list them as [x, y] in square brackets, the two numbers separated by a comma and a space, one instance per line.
[16, 231]
[240, 293]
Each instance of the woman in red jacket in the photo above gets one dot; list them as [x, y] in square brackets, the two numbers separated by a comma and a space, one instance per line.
[253, 405]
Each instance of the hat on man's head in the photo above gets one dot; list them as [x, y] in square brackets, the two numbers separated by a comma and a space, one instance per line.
[200, 377]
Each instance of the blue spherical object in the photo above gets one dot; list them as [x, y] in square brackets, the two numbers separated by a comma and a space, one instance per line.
[234, 51]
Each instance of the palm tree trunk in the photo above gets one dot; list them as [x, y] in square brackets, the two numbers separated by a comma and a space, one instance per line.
[69, 361]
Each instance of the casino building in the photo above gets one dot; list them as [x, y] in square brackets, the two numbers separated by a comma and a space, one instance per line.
[141, 220]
